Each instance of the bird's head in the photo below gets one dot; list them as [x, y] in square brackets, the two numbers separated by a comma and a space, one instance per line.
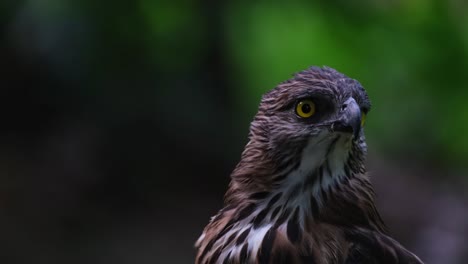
[316, 104]
[315, 117]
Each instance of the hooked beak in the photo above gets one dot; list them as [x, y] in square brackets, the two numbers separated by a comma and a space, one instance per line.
[349, 120]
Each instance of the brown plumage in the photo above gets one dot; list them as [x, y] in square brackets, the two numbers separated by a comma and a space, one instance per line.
[300, 193]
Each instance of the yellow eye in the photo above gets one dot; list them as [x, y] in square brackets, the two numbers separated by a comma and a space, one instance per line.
[305, 108]
[363, 119]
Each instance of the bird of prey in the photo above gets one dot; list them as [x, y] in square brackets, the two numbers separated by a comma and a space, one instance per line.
[300, 193]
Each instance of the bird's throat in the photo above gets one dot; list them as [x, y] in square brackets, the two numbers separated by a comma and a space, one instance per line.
[321, 168]
[304, 192]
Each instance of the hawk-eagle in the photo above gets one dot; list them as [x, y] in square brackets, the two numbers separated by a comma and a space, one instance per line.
[300, 193]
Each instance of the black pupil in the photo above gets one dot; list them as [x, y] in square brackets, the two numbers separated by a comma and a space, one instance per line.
[306, 108]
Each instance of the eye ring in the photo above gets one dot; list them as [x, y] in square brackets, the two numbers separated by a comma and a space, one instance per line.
[305, 108]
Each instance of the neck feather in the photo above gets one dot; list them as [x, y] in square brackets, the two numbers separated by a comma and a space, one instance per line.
[326, 181]
[319, 184]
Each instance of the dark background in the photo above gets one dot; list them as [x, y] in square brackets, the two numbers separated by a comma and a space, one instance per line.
[120, 121]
